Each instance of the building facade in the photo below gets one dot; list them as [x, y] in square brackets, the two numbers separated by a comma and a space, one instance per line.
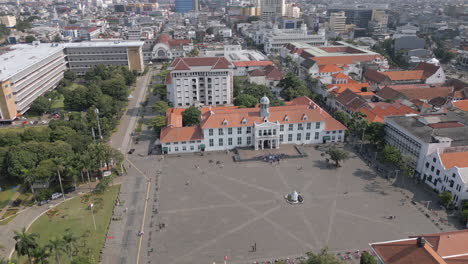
[203, 80]
[183, 6]
[338, 22]
[271, 10]
[301, 121]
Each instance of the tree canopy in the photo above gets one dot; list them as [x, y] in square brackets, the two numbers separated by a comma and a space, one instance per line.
[160, 107]
[157, 123]
[245, 100]
[390, 154]
[191, 116]
[323, 257]
[293, 87]
[40, 105]
[337, 155]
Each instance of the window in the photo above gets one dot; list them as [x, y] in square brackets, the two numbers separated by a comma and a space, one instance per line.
[230, 131]
[184, 148]
[239, 141]
[184, 142]
[249, 140]
[230, 141]
[281, 138]
[434, 160]
[211, 142]
[432, 168]
[291, 126]
[192, 148]
[299, 126]
[307, 136]
[249, 130]
[176, 149]
[210, 132]
[309, 125]
[437, 172]
[220, 142]
[220, 131]
[299, 136]
[333, 137]
[290, 137]
[427, 164]
[317, 125]
[259, 132]
[239, 130]
[282, 128]
[316, 135]
[453, 175]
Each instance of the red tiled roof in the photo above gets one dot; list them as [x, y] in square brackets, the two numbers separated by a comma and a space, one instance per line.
[256, 72]
[462, 105]
[446, 125]
[376, 112]
[330, 68]
[251, 63]
[351, 100]
[345, 59]
[272, 73]
[406, 252]
[178, 134]
[404, 75]
[214, 62]
[460, 160]
[428, 69]
[449, 243]
[340, 76]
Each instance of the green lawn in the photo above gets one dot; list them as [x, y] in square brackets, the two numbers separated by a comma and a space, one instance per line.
[57, 104]
[5, 197]
[74, 214]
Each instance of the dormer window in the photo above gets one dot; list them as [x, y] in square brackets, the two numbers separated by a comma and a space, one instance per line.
[265, 120]
[244, 121]
[304, 117]
[286, 118]
[225, 122]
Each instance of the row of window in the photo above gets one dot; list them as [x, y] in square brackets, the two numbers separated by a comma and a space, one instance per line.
[300, 126]
[229, 131]
[190, 74]
[220, 142]
[184, 148]
[183, 142]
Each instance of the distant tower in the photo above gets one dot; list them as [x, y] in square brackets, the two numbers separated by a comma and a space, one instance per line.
[264, 105]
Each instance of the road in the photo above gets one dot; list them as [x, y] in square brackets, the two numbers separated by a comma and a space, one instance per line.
[123, 245]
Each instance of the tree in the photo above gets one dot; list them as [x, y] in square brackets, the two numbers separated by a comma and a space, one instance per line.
[367, 258]
[56, 246]
[29, 39]
[342, 117]
[62, 133]
[322, 258]
[276, 102]
[293, 87]
[70, 240]
[39, 134]
[245, 100]
[23, 25]
[160, 107]
[191, 116]
[57, 38]
[375, 133]
[40, 105]
[116, 88]
[446, 198]
[337, 155]
[69, 75]
[160, 89]
[256, 90]
[193, 53]
[25, 243]
[390, 154]
[443, 55]
[4, 31]
[40, 255]
[157, 123]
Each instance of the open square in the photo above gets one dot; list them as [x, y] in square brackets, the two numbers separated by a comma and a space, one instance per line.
[213, 207]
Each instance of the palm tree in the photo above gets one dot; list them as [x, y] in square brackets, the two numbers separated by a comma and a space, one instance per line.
[69, 240]
[41, 254]
[57, 246]
[25, 243]
[60, 167]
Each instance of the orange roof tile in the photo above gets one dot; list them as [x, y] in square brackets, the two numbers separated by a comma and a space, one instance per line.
[404, 75]
[449, 243]
[462, 105]
[345, 59]
[340, 75]
[406, 252]
[330, 68]
[251, 63]
[376, 112]
[178, 134]
[215, 63]
[452, 159]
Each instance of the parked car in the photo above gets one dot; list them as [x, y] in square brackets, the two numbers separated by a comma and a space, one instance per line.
[42, 202]
[17, 202]
[70, 189]
[131, 151]
[56, 196]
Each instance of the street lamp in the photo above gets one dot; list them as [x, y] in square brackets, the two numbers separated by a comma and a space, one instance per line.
[91, 205]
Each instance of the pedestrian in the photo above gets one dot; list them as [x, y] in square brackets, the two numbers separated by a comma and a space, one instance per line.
[126, 209]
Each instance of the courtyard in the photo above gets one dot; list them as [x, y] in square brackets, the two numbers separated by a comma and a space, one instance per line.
[211, 207]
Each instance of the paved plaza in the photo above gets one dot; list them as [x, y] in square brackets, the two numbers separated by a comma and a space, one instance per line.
[212, 207]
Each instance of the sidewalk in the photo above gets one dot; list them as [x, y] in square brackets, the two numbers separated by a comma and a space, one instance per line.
[9, 205]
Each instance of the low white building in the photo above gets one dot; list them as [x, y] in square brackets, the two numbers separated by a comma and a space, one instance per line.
[300, 121]
[447, 170]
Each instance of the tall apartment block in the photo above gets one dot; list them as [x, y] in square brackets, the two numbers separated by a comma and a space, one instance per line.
[204, 80]
[271, 10]
[338, 22]
[29, 70]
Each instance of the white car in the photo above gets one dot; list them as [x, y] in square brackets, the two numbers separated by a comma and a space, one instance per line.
[56, 196]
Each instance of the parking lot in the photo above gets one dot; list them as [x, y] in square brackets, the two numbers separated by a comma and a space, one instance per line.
[209, 207]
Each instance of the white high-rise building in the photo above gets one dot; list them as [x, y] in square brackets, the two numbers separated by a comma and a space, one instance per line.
[338, 22]
[291, 10]
[201, 80]
[271, 10]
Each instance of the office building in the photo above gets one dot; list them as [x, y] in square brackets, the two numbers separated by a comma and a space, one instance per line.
[201, 80]
[29, 70]
[83, 56]
[357, 16]
[277, 38]
[183, 6]
[134, 33]
[338, 22]
[292, 11]
[300, 121]
[271, 10]
[8, 21]
[26, 72]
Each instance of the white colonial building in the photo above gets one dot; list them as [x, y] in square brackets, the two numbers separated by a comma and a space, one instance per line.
[447, 170]
[200, 81]
[300, 121]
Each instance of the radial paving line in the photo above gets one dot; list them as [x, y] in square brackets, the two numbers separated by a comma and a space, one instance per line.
[142, 173]
[148, 184]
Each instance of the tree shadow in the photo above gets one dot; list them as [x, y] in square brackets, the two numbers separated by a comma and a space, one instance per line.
[374, 187]
[324, 165]
[365, 174]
